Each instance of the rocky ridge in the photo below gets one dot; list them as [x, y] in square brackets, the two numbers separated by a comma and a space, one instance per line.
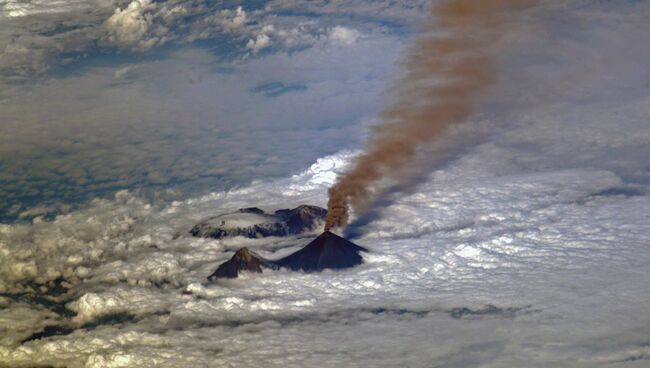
[255, 223]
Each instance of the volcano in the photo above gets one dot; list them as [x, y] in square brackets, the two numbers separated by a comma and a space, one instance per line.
[255, 223]
[327, 251]
[243, 260]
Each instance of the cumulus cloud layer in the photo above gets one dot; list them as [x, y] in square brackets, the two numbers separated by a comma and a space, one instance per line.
[37, 35]
[463, 271]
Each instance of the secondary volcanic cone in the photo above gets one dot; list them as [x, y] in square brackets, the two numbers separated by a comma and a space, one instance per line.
[446, 70]
[242, 260]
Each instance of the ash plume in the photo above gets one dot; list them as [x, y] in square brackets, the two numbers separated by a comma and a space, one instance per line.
[446, 70]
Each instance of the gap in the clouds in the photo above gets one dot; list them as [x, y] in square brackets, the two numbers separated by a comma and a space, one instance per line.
[277, 88]
[619, 191]
[112, 319]
[49, 331]
[635, 358]
[490, 310]
[351, 316]
[54, 297]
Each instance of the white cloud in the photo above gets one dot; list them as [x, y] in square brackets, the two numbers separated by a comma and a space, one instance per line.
[136, 301]
[123, 72]
[131, 27]
[240, 17]
[260, 42]
[68, 31]
[546, 244]
[343, 35]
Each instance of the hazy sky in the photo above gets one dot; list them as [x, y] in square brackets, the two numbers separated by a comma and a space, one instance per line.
[101, 96]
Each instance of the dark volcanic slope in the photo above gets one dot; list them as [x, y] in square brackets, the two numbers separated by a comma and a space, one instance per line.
[328, 250]
[243, 260]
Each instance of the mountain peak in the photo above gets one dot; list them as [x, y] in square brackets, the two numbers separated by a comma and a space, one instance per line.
[243, 260]
[327, 251]
[243, 254]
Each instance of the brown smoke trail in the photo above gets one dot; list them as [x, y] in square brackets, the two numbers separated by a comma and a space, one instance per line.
[446, 70]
